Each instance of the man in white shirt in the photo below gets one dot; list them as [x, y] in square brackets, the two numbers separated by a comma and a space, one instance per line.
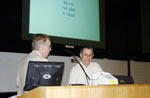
[77, 75]
[41, 47]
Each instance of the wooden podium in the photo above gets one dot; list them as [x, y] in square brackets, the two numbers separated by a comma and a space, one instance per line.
[105, 91]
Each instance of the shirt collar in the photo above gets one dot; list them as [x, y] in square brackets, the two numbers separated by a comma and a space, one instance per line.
[84, 65]
[38, 52]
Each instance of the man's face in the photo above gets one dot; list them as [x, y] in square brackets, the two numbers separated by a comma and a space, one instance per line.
[46, 48]
[86, 56]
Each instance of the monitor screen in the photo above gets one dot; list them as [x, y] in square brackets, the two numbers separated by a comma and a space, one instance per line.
[43, 74]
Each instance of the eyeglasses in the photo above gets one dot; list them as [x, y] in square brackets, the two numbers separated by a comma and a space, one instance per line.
[90, 55]
[48, 45]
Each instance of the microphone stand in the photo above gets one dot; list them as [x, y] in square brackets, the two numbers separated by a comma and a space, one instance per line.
[87, 77]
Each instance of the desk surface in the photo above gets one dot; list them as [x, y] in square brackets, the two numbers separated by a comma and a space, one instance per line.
[103, 91]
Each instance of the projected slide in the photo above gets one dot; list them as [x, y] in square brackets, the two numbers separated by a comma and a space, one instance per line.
[76, 19]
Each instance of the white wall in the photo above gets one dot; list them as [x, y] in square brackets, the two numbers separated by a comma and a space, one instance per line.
[115, 67]
[9, 66]
[8, 70]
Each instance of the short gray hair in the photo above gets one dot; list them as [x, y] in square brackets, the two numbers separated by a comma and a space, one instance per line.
[38, 39]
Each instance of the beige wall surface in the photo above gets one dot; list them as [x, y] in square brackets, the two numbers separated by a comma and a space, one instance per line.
[9, 66]
[140, 71]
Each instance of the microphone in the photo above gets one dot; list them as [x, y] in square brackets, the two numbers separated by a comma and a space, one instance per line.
[87, 77]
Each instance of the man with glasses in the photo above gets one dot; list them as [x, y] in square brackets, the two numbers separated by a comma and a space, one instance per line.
[41, 47]
[77, 75]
